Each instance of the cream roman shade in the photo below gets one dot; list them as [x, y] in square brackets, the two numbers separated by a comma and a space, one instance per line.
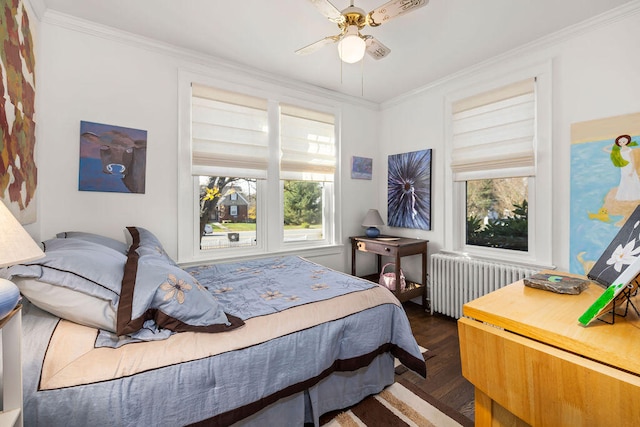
[307, 143]
[229, 133]
[494, 133]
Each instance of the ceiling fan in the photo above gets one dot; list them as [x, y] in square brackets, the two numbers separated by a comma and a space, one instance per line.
[351, 44]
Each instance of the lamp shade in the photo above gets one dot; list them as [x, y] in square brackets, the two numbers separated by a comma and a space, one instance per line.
[372, 219]
[16, 245]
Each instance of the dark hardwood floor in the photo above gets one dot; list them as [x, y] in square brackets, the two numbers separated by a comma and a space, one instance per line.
[439, 334]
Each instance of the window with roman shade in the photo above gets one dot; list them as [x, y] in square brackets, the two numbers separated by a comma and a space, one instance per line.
[307, 143]
[494, 133]
[229, 133]
[279, 156]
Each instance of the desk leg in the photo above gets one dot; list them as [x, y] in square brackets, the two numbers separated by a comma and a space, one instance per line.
[398, 290]
[424, 280]
[353, 259]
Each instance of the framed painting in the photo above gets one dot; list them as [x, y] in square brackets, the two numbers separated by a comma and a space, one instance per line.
[361, 167]
[112, 158]
[409, 190]
[605, 185]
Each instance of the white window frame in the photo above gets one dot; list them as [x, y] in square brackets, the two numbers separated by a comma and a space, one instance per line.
[539, 187]
[270, 215]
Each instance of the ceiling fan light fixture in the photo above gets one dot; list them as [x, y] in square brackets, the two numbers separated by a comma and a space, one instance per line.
[352, 47]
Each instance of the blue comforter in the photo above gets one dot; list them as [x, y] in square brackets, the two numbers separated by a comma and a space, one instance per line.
[314, 340]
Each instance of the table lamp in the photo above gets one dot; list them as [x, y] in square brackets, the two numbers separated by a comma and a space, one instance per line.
[372, 220]
[16, 246]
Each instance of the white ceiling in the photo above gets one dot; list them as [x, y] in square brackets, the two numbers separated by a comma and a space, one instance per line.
[434, 41]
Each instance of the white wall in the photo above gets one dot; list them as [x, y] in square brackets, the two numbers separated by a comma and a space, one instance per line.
[87, 73]
[92, 73]
[596, 74]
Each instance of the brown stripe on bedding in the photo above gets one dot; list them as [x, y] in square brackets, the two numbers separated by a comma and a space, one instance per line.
[71, 358]
[125, 305]
[343, 365]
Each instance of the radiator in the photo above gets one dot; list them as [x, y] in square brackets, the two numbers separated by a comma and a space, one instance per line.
[456, 280]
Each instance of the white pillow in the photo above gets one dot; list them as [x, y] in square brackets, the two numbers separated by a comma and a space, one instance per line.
[69, 304]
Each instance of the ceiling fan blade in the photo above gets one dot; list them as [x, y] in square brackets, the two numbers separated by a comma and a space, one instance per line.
[317, 45]
[376, 49]
[329, 10]
[392, 9]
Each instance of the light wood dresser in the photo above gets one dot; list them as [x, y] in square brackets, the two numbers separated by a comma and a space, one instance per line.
[532, 363]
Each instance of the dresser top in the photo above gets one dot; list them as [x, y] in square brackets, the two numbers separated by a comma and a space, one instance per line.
[552, 319]
[389, 240]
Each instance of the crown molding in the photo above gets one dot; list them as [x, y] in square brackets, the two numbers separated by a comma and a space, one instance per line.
[548, 41]
[73, 23]
[38, 7]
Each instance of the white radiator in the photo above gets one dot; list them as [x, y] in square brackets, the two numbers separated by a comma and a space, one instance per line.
[456, 280]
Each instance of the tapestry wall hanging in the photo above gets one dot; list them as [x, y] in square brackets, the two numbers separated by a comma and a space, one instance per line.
[409, 190]
[18, 172]
[112, 158]
[605, 185]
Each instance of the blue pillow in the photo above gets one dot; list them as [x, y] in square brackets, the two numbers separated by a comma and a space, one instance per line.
[77, 280]
[96, 238]
[153, 287]
[148, 244]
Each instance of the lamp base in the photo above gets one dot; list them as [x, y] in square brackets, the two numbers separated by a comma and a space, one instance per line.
[9, 297]
[372, 232]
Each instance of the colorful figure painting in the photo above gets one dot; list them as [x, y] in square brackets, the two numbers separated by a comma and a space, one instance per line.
[409, 190]
[18, 172]
[112, 158]
[361, 167]
[605, 184]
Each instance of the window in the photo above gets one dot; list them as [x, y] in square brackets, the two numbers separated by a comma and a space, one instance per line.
[262, 174]
[308, 167]
[225, 213]
[499, 170]
[493, 139]
[497, 213]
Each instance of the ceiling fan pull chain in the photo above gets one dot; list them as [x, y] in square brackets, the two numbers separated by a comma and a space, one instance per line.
[361, 77]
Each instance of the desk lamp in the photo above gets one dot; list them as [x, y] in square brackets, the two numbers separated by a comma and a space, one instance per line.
[16, 246]
[372, 220]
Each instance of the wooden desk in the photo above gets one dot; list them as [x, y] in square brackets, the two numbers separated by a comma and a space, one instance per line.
[394, 247]
[531, 362]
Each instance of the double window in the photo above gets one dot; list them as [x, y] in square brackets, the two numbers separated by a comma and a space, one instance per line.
[501, 195]
[262, 175]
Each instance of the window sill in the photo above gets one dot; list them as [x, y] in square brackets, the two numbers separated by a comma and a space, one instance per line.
[304, 252]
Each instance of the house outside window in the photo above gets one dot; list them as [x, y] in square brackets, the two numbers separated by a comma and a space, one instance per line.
[263, 174]
[500, 170]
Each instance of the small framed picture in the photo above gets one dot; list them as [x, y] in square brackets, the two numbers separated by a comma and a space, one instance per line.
[361, 167]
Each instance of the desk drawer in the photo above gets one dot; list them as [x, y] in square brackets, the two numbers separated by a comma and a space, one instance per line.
[379, 248]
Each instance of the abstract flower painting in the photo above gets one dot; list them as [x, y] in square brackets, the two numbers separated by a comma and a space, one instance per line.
[409, 190]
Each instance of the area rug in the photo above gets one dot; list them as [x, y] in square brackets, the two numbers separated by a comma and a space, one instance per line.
[396, 406]
[401, 404]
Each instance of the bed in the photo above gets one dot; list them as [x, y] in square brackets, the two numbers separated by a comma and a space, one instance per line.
[118, 334]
